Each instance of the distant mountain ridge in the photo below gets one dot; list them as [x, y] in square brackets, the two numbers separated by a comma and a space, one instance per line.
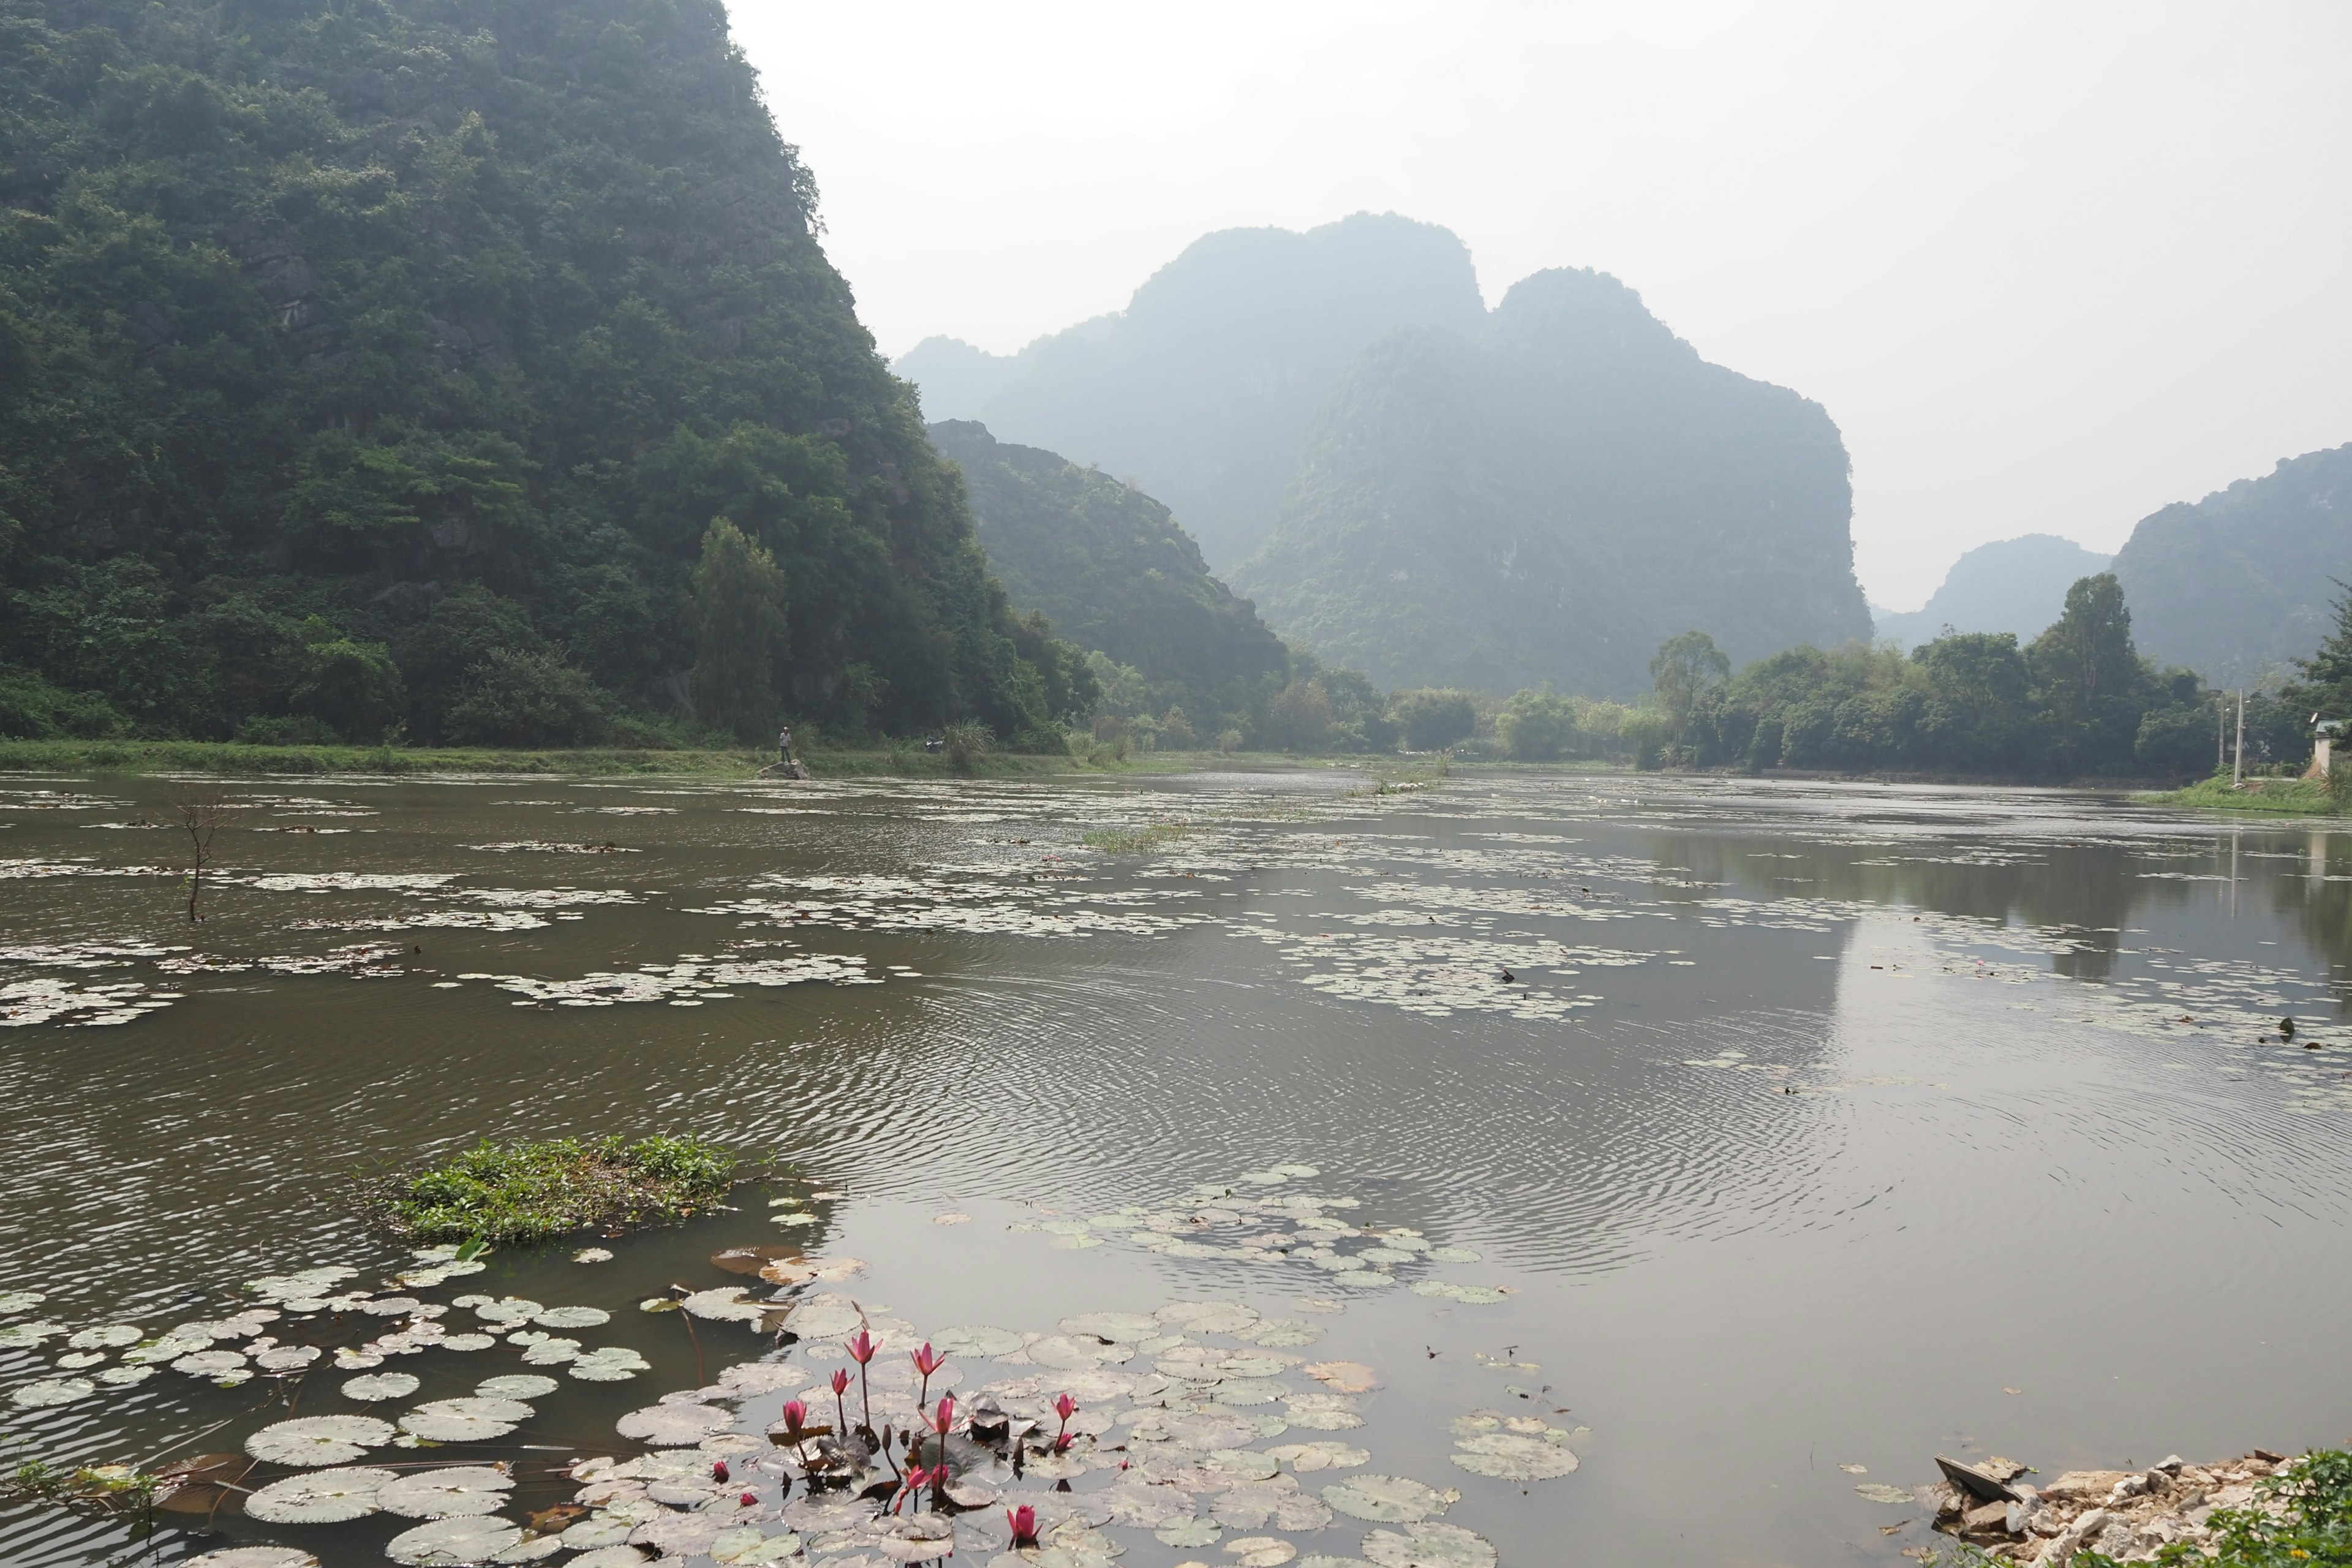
[2016, 586]
[2240, 583]
[1552, 497]
[1202, 389]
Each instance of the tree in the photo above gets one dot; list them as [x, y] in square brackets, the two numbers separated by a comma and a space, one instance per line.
[2326, 690]
[739, 633]
[1536, 726]
[1434, 718]
[2090, 679]
[1688, 670]
[1300, 719]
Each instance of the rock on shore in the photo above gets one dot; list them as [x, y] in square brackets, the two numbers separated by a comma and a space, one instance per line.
[2128, 1515]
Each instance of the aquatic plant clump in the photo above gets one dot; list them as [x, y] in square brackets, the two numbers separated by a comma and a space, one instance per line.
[531, 1192]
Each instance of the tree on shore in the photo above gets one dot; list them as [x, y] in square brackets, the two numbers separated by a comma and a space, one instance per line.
[739, 633]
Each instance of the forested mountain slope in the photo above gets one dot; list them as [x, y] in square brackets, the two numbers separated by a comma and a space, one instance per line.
[447, 326]
[1550, 498]
[2241, 583]
[1201, 392]
[1113, 571]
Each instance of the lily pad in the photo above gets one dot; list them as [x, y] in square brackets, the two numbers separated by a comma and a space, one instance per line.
[284, 1359]
[1306, 1456]
[1261, 1552]
[474, 1420]
[121, 1375]
[1322, 1412]
[381, 1385]
[591, 1255]
[1431, 1546]
[208, 1363]
[830, 1316]
[572, 1318]
[673, 1426]
[517, 1385]
[465, 1342]
[612, 1364]
[1468, 1295]
[460, 1491]
[20, 1301]
[74, 1361]
[1508, 1457]
[28, 1336]
[1877, 1491]
[52, 1391]
[313, 1440]
[452, 1542]
[110, 1337]
[1343, 1376]
[550, 1350]
[254, 1557]
[322, 1496]
[749, 1548]
[726, 1305]
[609, 1557]
[1389, 1498]
[1128, 1327]
[1189, 1532]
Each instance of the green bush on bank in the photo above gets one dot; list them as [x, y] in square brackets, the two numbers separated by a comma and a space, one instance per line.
[534, 1192]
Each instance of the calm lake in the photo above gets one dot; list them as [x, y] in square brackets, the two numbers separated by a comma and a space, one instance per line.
[1815, 1127]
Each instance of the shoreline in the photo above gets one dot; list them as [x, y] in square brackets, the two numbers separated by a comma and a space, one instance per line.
[2123, 1516]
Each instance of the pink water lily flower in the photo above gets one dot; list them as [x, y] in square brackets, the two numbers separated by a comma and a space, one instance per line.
[861, 1347]
[719, 1471]
[945, 1416]
[1024, 1522]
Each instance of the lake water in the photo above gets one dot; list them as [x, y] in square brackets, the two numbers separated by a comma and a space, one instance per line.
[1817, 1126]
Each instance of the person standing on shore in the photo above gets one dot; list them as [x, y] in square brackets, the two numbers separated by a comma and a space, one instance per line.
[784, 744]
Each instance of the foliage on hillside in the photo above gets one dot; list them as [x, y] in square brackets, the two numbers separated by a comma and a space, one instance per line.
[2238, 584]
[2016, 586]
[1113, 571]
[1202, 389]
[387, 364]
[1548, 501]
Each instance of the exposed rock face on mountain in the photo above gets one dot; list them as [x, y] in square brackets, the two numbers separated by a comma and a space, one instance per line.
[1201, 392]
[1110, 568]
[1550, 497]
[2243, 581]
[2016, 586]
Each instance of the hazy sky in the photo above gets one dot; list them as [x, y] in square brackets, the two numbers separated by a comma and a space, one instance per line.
[2048, 266]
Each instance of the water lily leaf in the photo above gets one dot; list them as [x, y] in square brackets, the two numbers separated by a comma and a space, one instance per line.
[829, 1317]
[591, 1533]
[208, 1363]
[1345, 1376]
[609, 1557]
[613, 1363]
[1508, 1457]
[74, 1361]
[1246, 1463]
[20, 1301]
[1468, 1295]
[1194, 1532]
[459, 1491]
[381, 1385]
[1280, 1333]
[254, 1557]
[474, 1420]
[508, 1310]
[749, 1548]
[1389, 1498]
[517, 1385]
[529, 1548]
[1261, 1552]
[390, 1306]
[673, 1426]
[725, 1305]
[1127, 1327]
[110, 1337]
[1429, 1545]
[1879, 1493]
[1303, 1457]
[28, 1336]
[591, 1255]
[1456, 1255]
[1322, 1412]
[322, 1496]
[121, 1375]
[550, 1350]
[452, 1542]
[465, 1342]
[52, 1391]
[572, 1318]
[286, 1358]
[1208, 1317]
[752, 1259]
[319, 1440]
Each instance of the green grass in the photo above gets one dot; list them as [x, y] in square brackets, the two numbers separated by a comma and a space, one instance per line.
[534, 1192]
[1142, 841]
[2281, 797]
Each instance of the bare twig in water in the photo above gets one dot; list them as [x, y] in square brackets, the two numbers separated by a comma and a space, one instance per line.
[201, 810]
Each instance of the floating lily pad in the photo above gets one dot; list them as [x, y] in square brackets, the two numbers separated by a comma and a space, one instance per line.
[591, 1255]
[1261, 1552]
[28, 1336]
[1343, 1376]
[749, 1548]
[1468, 1295]
[208, 1363]
[1430, 1545]
[322, 1496]
[508, 1309]
[74, 1361]
[1456, 1255]
[1322, 1412]
[122, 1375]
[1508, 1457]
[1193, 1531]
[459, 1492]
[609, 1557]
[613, 1363]
[1208, 1317]
[254, 1557]
[1128, 1327]
[381, 1385]
[20, 1301]
[110, 1337]
[312, 1440]
[465, 1342]
[673, 1426]
[1305, 1456]
[474, 1420]
[546, 1349]
[517, 1385]
[452, 1542]
[726, 1305]
[829, 1317]
[572, 1318]
[52, 1391]
[286, 1358]
[1389, 1498]
[1877, 1491]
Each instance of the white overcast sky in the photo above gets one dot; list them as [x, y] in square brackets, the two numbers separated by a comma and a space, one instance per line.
[2049, 266]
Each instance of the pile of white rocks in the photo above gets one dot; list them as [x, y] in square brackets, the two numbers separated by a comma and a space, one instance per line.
[2128, 1515]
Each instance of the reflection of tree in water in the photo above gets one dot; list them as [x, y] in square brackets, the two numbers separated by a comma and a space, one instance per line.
[2322, 910]
[2084, 892]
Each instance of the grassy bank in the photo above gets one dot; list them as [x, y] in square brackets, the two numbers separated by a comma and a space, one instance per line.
[2271, 797]
[227, 757]
[531, 1192]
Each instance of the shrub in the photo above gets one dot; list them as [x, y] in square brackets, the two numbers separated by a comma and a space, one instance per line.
[527, 699]
[531, 1192]
[1433, 719]
[967, 745]
[1536, 726]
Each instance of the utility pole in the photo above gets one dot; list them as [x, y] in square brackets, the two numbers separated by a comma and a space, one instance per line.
[2220, 729]
[2238, 773]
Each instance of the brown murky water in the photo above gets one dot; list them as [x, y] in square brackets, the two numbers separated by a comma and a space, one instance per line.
[1817, 1126]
